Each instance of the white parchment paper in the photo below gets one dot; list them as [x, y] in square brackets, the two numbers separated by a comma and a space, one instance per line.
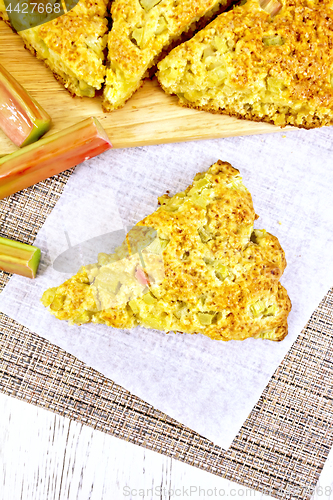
[207, 385]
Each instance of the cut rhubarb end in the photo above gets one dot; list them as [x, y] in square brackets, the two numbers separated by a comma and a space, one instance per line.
[52, 155]
[22, 119]
[272, 7]
[19, 258]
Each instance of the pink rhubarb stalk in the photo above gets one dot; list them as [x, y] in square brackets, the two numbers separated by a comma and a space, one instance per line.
[52, 155]
[22, 119]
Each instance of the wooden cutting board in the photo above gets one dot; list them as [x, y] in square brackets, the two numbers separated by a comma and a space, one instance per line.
[149, 117]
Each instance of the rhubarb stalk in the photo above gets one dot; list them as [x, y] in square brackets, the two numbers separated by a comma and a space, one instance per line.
[22, 119]
[52, 155]
[19, 258]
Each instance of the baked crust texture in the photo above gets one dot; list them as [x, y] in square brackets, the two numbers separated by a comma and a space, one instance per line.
[3, 13]
[251, 64]
[72, 46]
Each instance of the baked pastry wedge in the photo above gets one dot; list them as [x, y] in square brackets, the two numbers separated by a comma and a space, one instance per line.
[72, 45]
[265, 60]
[195, 265]
[141, 31]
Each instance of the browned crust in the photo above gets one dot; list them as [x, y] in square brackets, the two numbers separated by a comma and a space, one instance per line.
[282, 330]
[282, 333]
[185, 281]
[2, 18]
[304, 60]
[186, 35]
[191, 30]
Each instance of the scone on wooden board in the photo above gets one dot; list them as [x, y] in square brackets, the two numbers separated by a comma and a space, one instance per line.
[206, 271]
[72, 45]
[265, 60]
[141, 31]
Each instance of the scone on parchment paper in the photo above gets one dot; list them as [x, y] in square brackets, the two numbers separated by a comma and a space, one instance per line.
[141, 31]
[271, 64]
[205, 271]
[72, 45]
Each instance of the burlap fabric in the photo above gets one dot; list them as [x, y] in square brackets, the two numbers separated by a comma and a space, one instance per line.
[281, 447]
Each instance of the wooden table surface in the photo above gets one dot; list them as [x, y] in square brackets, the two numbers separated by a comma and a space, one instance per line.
[44, 456]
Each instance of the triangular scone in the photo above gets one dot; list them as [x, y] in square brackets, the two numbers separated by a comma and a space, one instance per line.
[3, 13]
[141, 30]
[271, 64]
[207, 271]
[72, 46]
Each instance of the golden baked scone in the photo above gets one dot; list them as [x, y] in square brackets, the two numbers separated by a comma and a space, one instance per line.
[206, 271]
[272, 63]
[141, 31]
[3, 13]
[72, 45]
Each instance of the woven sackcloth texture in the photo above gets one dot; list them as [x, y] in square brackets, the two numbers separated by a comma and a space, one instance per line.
[281, 447]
